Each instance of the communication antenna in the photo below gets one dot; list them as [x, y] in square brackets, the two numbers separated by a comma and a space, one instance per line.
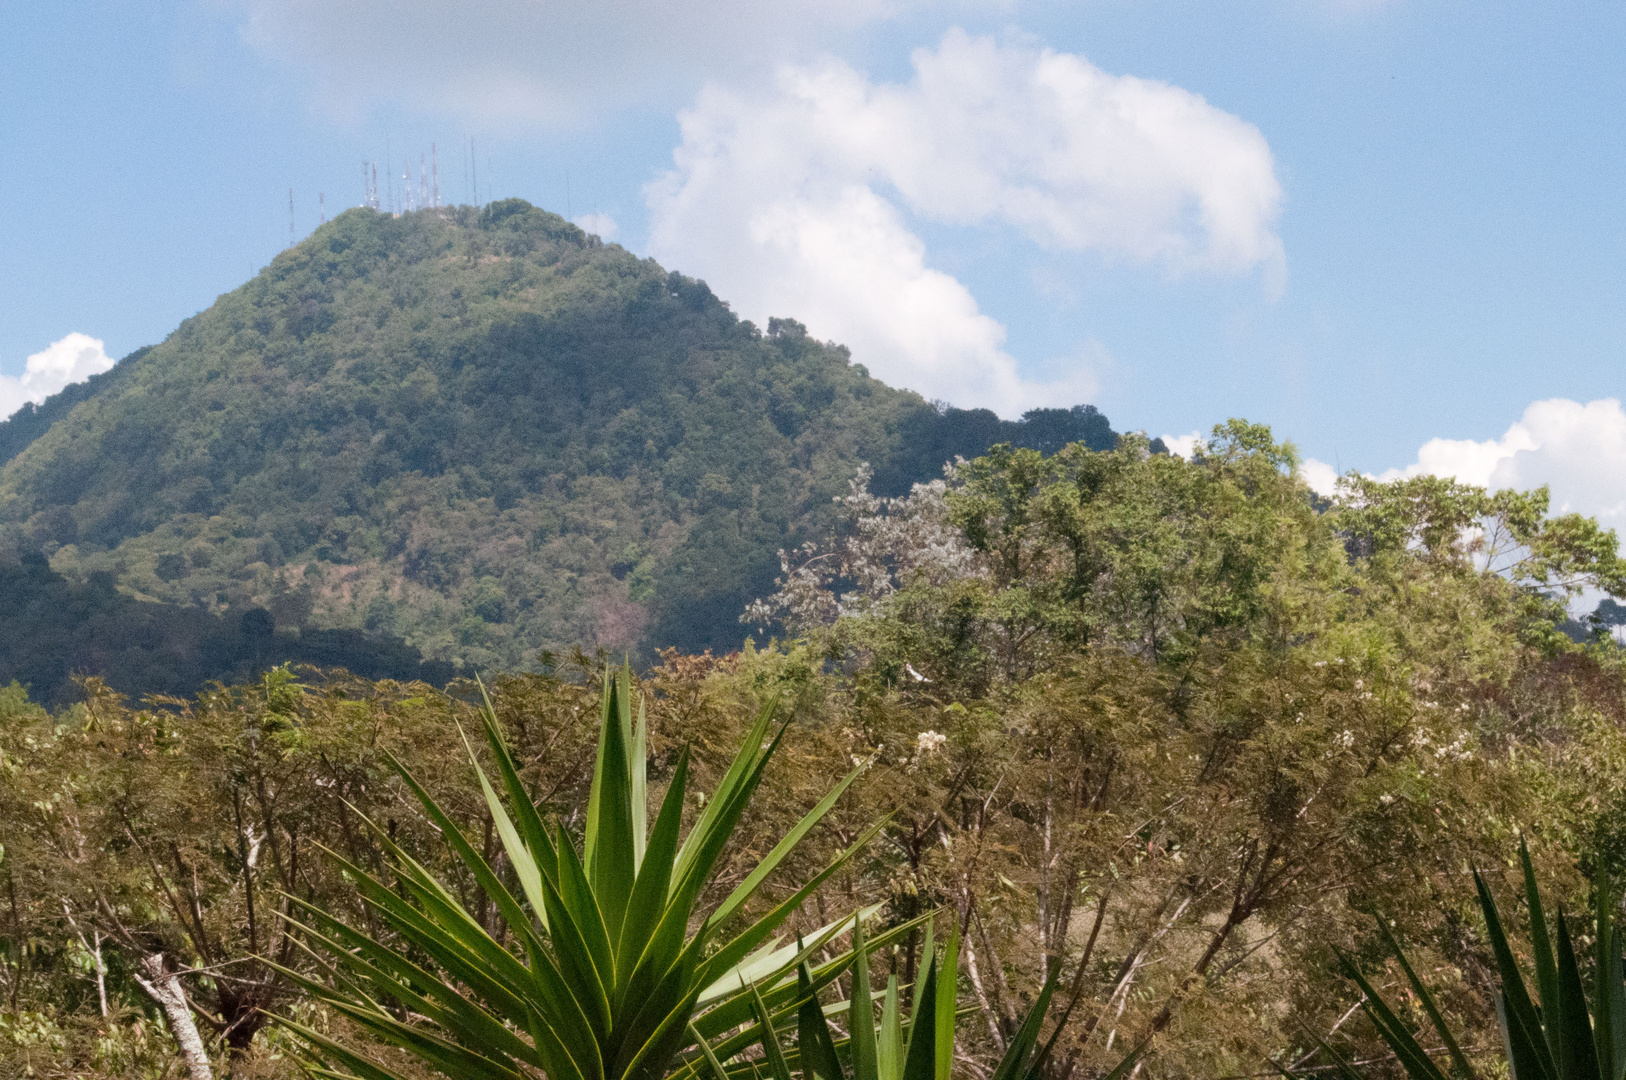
[474, 171]
[321, 202]
[434, 176]
[406, 187]
[290, 217]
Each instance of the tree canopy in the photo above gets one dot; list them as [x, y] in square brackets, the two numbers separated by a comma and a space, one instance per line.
[1176, 732]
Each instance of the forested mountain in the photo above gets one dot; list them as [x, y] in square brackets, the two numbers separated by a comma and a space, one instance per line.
[482, 431]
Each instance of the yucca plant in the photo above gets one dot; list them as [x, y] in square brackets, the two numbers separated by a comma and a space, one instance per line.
[1558, 1034]
[608, 971]
[920, 1046]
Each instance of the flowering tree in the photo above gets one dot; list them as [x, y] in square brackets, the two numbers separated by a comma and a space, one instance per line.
[1171, 723]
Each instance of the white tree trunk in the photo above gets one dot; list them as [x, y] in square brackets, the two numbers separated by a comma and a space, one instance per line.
[101, 973]
[165, 988]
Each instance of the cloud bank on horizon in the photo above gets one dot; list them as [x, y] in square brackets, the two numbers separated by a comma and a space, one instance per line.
[801, 200]
[69, 360]
[1577, 450]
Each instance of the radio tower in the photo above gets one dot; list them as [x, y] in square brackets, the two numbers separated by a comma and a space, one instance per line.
[321, 203]
[375, 186]
[434, 176]
[423, 183]
[290, 217]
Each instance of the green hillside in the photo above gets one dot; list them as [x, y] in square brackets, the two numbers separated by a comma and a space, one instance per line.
[482, 431]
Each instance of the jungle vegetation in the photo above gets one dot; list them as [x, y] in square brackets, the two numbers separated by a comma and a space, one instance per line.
[1171, 745]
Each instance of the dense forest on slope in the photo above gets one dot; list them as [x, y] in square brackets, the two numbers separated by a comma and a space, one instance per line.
[53, 629]
[481, 431]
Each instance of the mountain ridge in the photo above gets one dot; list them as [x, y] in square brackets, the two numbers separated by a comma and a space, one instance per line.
[482, 431]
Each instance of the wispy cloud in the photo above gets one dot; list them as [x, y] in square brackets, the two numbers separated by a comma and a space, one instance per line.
[602, 226]
[488, 61]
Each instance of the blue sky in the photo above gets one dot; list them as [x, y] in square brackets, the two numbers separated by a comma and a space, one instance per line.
[1424, 231]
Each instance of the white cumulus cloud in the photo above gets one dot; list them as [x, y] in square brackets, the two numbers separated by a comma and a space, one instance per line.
[797, 200]
[1182, 445]
[1577, 450]
[73, 359]
[1321, 477]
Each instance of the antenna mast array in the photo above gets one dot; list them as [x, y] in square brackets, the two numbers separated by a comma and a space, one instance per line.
[423, 195]
[290, 217]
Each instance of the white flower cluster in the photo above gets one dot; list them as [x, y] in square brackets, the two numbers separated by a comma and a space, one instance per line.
[1455, 750]
[885, 543]
[928, 742]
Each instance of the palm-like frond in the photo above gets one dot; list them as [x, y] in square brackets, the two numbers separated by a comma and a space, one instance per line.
[1558, 1034]
[604, 966]
[919, 1047]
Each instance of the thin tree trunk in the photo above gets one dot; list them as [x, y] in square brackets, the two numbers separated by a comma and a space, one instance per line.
[16, 943]
[165, 988]
[982, 996]
[95, 952]
[101, 972]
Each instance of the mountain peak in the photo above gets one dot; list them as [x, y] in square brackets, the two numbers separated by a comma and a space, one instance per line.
[481, 430]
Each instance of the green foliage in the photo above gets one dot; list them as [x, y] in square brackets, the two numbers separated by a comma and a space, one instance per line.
[1560, 1033]
[919, 1047]
[53, 631]
[178, 831]
[482, 432]
[611, 971]
[1178, 721]
[1160, 733]
[928, 439]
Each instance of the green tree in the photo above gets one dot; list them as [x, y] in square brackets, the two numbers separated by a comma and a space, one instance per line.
[1174, 722]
